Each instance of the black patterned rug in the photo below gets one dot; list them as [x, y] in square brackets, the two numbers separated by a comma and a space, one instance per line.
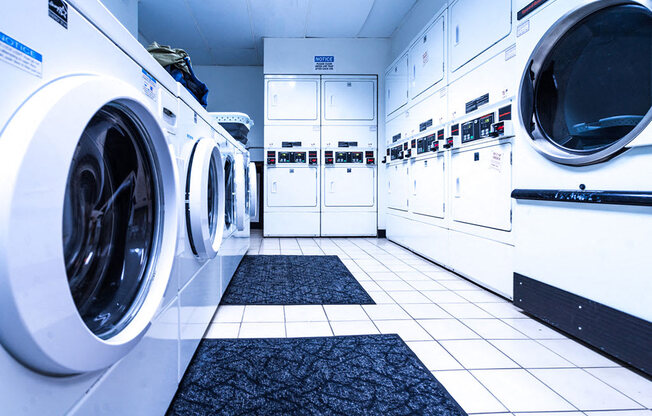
[354, 375]
[294, 280]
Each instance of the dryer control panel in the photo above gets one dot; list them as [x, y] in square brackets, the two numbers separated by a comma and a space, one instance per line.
[397, 152]
[291, 157]
[427, 144]
[332, 157]
[491, 125]
[282, 157]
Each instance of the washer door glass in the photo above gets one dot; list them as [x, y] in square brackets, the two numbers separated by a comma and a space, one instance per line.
[110, 221]
[229, 190]
[213, 198]
[595, 84]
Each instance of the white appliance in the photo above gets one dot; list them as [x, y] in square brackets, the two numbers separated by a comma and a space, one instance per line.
[480, 143]
[89, 213]
[349, 196]
[349, 142]
[582, 178]
[291, 181]
[237, 244]
[198, 265]
[291, 193]
[236, 219]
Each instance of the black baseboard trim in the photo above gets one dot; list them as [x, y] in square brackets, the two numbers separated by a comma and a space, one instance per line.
[618, 334]
[382, 233]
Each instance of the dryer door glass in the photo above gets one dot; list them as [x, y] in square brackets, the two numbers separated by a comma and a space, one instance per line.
[595, 85]
[110, 221]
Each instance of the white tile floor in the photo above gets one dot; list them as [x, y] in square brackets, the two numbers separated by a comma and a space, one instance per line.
[490, 356]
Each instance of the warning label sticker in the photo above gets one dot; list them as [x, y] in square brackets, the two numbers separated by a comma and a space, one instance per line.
[22, 57]
[324, 63]
[150, 86]
[496, 161]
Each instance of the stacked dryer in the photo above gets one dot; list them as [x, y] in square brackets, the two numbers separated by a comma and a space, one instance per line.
[417, 101]
[349, 148]
[320, 156]
[292, 156]
[449, 135]
[482, 74]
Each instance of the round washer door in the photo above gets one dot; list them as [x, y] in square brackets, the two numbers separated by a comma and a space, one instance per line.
[205, 199]
[240, 193]
[587, 91]
[253, 190]
[229, 190]
[89, 201]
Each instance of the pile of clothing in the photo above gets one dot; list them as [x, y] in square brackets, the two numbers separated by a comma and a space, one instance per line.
[177, 63]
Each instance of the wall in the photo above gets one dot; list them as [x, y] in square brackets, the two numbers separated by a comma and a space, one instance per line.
[370, 56]
[413, 23]
[126, 11]
[237, 89]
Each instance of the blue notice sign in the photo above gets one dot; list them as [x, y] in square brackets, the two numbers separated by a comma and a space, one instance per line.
[324, 63]
[19, 55]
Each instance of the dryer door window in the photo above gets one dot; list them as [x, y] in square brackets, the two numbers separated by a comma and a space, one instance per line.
[109, 222]
[589, 89]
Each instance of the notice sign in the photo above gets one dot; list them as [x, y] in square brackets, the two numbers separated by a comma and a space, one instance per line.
[324, 63]
[16, 54]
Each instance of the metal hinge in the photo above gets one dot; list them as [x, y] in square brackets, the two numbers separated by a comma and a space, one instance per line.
[510, 216]
[444, 207]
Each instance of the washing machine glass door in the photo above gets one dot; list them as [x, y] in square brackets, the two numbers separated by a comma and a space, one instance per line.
[90, 214]
[229, 191]
[252, 189]
[240, 186]
[205, 199]
[588, 89]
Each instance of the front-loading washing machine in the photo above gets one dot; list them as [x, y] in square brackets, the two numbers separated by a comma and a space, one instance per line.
[243, 197]
[235, 228]
[582, 182]
[198, 265]
[88, 212]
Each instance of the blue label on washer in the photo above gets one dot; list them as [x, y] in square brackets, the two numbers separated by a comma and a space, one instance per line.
[19, 55]
[150, 86]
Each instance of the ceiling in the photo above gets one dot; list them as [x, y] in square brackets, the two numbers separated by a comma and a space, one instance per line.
[231, 32]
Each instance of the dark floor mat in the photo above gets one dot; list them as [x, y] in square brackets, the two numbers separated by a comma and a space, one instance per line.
[356, 375]
[294, 280]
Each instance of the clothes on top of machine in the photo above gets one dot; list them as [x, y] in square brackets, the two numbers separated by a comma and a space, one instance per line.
[177, 63]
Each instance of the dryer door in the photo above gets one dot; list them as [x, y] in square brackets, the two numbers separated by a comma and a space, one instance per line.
[349, 187]
[88, 204]
[292, 187]
[588, 89]
[205, 199]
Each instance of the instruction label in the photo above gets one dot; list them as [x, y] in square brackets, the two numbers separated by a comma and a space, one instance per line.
[496, 161]
[324, 63]
[150, 85]
[22, 57]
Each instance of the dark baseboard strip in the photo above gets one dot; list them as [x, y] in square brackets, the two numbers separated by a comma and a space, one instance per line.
[382, 233]
[623, 336]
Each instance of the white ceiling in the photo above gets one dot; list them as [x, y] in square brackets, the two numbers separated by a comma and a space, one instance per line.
[231, 32]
